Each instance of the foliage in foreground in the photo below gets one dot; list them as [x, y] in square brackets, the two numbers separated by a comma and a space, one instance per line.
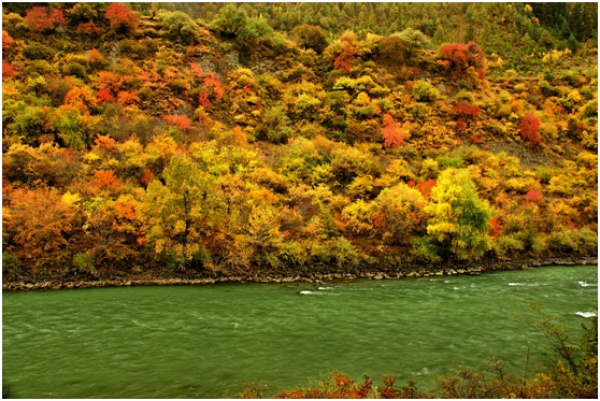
[573, 373]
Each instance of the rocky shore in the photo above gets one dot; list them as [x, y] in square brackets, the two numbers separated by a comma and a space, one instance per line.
[374, 269]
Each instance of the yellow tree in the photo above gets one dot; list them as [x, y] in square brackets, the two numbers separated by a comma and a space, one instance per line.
[459, 218]
[181, 212]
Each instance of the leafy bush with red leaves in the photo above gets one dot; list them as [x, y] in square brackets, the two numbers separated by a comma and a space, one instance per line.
[87, 28]
[104, 95]
[214, 86]
[213, 90]
[533, 196]
[122, 18]
[529, 129]
[182, 122]
[7, 41]
[466, 110]
[393, 135]
[458, 58]
[344, 60]
[425, 187]
[107, 179]
[42, 19]
[7, 70]
[495, 227]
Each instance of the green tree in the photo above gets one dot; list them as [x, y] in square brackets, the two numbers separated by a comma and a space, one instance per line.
[180, 28]
[459, 218]
[414, 41]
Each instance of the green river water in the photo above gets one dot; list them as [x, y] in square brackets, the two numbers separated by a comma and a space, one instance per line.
[212, 341]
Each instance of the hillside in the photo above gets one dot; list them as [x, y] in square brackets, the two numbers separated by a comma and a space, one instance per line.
[248, 142]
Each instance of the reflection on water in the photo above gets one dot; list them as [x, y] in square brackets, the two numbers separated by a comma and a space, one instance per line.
[210, 342]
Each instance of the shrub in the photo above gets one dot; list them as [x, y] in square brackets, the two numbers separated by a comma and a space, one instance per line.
[529, 129]
[533, 196]
[84, 263]
[311, 37]
[459, 58]
[7, 70]
[87, 28]
[75, 69]
[122, 18]
[38, 51]
[413, 41]
[180, 28]
[231, 22]
[7, 41]
[42, 19]
[182, 122]
[344, 60]
[466, 110]
[11, 265]
[393, 135]
[424, 92]
[590, 109]
[391, 49]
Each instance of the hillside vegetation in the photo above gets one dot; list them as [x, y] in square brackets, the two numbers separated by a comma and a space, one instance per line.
[291, 138]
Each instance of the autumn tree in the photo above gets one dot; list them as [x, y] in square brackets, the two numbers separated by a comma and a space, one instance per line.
[344, 60]
[529, 129]
[40, 225]
[393, 134]
[180, 28]
[112, 231]
[459, 59]
[122, 18]
[413, 42]
[7, 41]
[399, 214]
[7, 70]
[44, 19]
[459, 218]
[311, 37]
[181, 212]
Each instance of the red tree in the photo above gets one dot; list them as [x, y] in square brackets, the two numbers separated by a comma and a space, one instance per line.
[122, 18]
[533, 196]
[214, 86]
[458, 58]
[393, 134]
[425, 187]
[87, 28]
[41, 19]
[344, 60]
[496, 227]
[7, 70]
[466, 110]
[7, 41]
[181, 121]
[529, 129]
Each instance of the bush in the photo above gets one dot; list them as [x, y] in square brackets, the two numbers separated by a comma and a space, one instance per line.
[311, 37]
[76, 70]
[84, 263]
[424, 92]
[11, 265]
[529, 129]
[42, 19]
[122, 18]
[38, 51]
[180, 28]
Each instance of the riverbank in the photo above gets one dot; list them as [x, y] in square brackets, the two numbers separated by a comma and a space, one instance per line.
[382, 269]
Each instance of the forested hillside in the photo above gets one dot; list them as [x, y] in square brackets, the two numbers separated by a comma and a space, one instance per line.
[291, 138]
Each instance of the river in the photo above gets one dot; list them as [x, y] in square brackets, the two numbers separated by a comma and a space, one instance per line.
[212, 341]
